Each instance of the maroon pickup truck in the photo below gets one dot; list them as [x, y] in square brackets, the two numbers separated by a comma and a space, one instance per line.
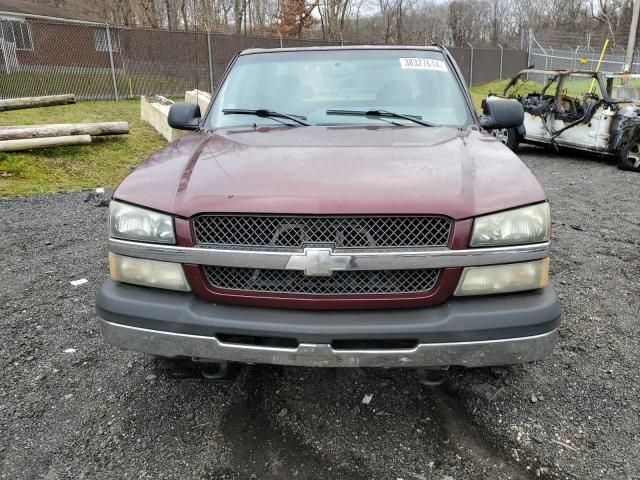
[334, 207]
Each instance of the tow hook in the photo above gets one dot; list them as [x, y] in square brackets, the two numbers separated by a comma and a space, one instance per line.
[432, 377]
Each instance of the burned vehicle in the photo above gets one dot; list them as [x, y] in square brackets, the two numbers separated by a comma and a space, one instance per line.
[334, 207]
[590, 111]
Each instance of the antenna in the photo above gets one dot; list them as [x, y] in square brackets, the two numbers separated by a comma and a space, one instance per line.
[195, 41]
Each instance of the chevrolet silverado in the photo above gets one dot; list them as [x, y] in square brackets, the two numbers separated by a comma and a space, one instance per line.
[334, 207]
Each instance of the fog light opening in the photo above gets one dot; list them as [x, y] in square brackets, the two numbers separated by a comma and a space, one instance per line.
[276, 342]
[375, 344]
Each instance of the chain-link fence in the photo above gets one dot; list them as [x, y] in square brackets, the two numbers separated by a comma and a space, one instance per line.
[97, 61]
[101, 62]
[482, 65]
[549, 55]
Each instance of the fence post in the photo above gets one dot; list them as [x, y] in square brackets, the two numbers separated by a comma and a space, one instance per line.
[529, 51]
[501, 53]
[210, 62]
[113, 69]
[471, 69]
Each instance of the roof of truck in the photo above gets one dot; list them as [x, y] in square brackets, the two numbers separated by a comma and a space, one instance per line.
[576, 72]
[433, 48]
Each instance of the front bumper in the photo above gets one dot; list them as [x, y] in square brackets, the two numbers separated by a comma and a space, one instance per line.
[472, 332]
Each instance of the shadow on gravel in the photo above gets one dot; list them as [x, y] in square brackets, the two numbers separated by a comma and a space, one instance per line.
[305, 423]
[456, 424]
[257, 447]
[262, 450]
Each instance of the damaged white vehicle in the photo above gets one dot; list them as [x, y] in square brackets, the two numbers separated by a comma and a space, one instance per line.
[590, 111]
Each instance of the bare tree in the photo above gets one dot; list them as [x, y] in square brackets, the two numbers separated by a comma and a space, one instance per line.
[453, 22]
[333, 14]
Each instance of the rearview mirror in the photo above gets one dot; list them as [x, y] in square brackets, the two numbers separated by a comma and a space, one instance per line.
[501, 113]
[184, 116]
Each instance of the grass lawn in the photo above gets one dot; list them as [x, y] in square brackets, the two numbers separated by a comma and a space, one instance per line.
[479, 92]
[103, 163]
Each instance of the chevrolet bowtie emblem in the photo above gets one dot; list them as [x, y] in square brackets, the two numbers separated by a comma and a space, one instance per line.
[318, 262]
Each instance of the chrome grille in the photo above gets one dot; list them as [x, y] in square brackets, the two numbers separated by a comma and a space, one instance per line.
[294, 232]
[349, 282]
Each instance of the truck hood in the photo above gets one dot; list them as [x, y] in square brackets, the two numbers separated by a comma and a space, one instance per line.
[333, 170]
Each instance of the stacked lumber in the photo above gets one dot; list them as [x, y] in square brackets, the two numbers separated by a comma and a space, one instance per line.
[27, 137]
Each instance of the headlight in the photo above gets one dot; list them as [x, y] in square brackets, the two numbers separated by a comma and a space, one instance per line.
[523, 225]
[511, 277]
[148, 273]
[134, 223]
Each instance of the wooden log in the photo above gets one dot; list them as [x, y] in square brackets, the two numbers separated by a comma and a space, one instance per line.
[33, 143]
[35, 102]
[63, 130]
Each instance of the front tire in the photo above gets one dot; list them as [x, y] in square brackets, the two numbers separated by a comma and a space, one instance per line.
[507, 136]
[629, 156]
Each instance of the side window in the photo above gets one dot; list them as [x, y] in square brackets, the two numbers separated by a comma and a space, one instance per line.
[577, 97]
[17, 32]
[578, 86]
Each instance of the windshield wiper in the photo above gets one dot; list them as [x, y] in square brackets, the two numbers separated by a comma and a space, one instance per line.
[264, 113]
[382, 114]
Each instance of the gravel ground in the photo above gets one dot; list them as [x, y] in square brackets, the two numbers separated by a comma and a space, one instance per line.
[73, 407]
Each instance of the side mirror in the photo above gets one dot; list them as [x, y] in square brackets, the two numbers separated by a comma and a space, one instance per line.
[184, 116]
[501, 113]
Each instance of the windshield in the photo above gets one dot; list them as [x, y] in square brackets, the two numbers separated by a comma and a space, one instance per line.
[307, 84]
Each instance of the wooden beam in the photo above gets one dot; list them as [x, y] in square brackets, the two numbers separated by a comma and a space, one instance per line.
[33, 143]
[63, 129]
[35, 102]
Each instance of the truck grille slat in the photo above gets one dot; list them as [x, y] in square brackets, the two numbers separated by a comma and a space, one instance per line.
[294, 232]
[352, 282]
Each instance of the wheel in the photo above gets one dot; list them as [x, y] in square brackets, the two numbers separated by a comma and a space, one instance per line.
[508, 136]
[629, 156]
